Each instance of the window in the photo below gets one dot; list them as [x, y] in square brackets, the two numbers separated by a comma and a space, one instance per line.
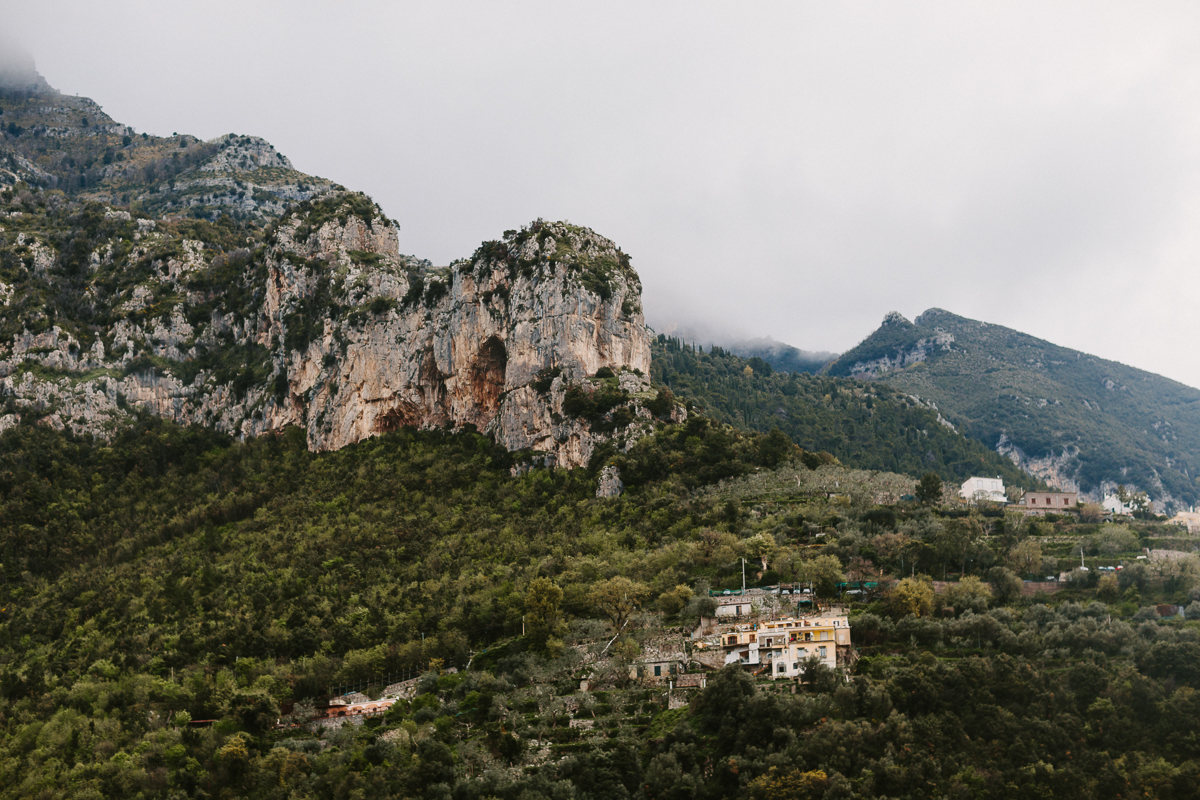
[795, 665]
[782, 667]
[822, 652]
[658, 670]
[738, 610]
[753, 638]
[674, 669]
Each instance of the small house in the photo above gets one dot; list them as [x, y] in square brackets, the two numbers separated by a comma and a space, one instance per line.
[976, 489]
[1044, 502]
[1113, 505]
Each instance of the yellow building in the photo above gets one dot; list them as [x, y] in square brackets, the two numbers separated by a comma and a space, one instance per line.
[1188, 519]
[783, 645]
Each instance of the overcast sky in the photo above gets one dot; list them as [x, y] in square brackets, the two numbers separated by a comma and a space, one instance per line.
[793, 170]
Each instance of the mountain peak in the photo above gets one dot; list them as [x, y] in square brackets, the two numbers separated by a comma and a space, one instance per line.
[895, 318]
[18, 73]
[931, 317]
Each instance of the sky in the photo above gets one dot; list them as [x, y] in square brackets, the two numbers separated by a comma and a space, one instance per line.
[794, 170]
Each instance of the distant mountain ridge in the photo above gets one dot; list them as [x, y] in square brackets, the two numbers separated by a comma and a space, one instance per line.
[781, 356]
[1078, 421]
[865, 425]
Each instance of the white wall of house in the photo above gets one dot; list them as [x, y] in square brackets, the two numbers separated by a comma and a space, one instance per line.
[789, 662]
[976, 488]
[1113, 505]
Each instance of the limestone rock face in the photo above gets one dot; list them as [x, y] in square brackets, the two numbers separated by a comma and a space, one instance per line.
[537, 340]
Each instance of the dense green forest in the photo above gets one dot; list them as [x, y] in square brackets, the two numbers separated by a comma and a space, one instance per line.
[172, 576]
[868, 425]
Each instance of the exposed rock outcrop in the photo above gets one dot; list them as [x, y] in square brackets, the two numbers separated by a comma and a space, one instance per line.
[903, 353]
[537, 340]
[1058, 470]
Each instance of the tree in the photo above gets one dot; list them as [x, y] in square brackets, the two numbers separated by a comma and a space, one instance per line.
[700, 606]
[1006, 584]
[911, 596]
[544, 625]
[1025, 557]
[774, 448]
[825, 572]
[794, 784]
[761, 546]
[859, 568]
[969, 593]
[673, 601]
[617, 598]
[955, 540]
[929, 489]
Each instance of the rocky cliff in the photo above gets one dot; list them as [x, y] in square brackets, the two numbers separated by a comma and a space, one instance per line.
[319, 322]
[897, 344]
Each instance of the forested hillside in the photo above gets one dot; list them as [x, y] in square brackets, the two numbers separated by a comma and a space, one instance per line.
[176, 606]
[865, 425]
[782, 357]
[1066, 415]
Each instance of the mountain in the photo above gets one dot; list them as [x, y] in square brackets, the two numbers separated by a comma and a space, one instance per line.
[55, 141]
[782, 357]
[1076, 420]
[316, 322]
[863, 424]
[373, 599]
[287, 302]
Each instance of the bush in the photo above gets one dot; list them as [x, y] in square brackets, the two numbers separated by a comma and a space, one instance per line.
[1006, 584]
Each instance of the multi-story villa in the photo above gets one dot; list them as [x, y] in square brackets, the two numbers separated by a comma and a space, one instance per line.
[785, 644]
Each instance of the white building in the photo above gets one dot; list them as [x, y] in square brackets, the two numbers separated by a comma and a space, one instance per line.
[1113, 505]
[989, 489]
[735, 606]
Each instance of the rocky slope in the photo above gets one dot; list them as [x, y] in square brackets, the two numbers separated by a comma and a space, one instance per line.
[69, 143]
[317, 322]
[213, 283]
[1075, 420]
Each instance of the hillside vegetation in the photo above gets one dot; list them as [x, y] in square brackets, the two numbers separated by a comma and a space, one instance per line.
[173, 576]
[865, 425]
[1065, 415]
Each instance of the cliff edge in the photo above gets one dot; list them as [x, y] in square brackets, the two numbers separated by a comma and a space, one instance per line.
[318, 321]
